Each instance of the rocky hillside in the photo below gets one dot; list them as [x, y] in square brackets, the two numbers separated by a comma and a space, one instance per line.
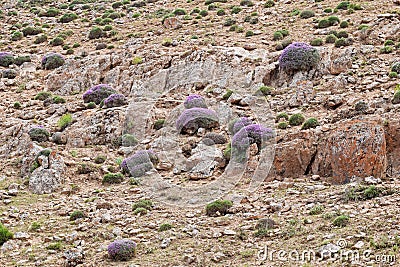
[199, 133]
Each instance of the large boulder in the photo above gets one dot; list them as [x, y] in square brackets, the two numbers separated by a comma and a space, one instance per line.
[294, 154]
[356, 149]
[48, 177]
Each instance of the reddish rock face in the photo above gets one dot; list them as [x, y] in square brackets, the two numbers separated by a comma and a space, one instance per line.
[355, 149]
[293, 156]
[393, 147]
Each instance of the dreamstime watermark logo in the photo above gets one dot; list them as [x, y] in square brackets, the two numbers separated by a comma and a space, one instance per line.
[170, 84]
[328, 253]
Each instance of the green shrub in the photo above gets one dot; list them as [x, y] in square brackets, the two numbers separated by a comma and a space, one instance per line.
[158, 124]
[393, 74]
[58, 100]
[17, 105]
[113, 178]
[386, 50]
[95, 33]
[344, 24]
[305, 14]
[64, 121]
[282, 115]
[165, 227]
[35, 226]
[218, 207]
[310, 123]
[21, 60]
[16, 36]
[236, 9]
[100, 159]
[43, 95]
[5, 234]
[179, 12]
[77, 214]
[40, 39]
[144, 203]
[317, 42]
[266, 90]
[389, 42]
[343, 5]
[341, 221]
[342, 34]
[316, 210]
[54, 246]
[68, 17]
[296, 119]
[141, 211]
[323, 23]
[341, 42]
[333, 20]
[277, 36]
[330, 39]
[57, 41]
[269, 3]
[249, 33]
[31, 30]
[282, 125]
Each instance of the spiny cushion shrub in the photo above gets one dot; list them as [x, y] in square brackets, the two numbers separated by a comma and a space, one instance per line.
[115, 100]
[192, 119]
[121, 250]
[5, 234]
[396, 96]
[236, 124]
[76, 215]
[310, 123]
[251, 134]
[21, 60]
[194, 101]
[31, 30]
[98, 93]
[299, 56]
[113, 178]
[42, 95]
[396, 67]
[52, 61]
[218, 207]
[140, 163]
[39, 134]
[296, 119]
[6, 59]
[143, 204]
[68, 17]
[128, 140]
[95, 33]
[305, 14]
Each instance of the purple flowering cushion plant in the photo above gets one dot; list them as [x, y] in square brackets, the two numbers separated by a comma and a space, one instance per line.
[299, 56]
[115, 100]
[237, 124]
[121, 250]
[98, 93]
[251, 134]
[192, 119]
[195, 101]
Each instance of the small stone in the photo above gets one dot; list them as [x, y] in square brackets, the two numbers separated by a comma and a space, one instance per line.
[229, 232]
[165, 243]
[359, 245]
